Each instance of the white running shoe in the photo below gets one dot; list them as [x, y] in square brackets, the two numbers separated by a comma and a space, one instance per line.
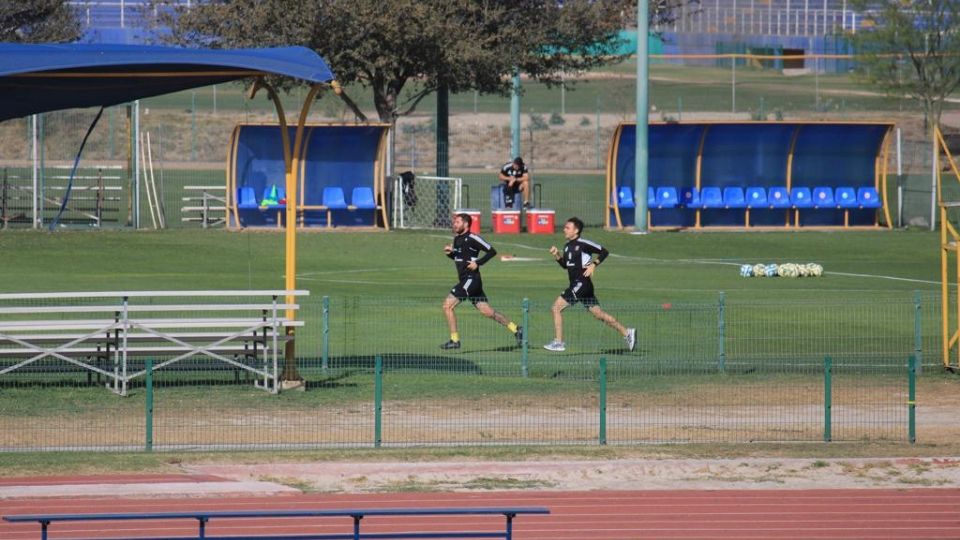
[555, 346]
[631, 338]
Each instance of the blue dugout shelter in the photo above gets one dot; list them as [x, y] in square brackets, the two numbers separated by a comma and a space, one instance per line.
[753, 174]
[341, 176]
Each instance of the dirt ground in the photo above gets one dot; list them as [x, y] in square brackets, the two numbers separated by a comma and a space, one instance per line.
[618, 474]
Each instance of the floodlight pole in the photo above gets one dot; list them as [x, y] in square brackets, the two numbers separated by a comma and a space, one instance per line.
[640, 165]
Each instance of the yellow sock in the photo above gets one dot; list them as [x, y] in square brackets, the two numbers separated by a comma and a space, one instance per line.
[455, 336]
[512, 327]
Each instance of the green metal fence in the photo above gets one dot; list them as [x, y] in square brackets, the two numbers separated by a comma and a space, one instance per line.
[374, 376]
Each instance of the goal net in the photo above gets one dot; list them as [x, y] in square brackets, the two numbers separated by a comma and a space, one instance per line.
[425, 202]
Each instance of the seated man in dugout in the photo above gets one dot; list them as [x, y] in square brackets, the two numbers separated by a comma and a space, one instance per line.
[516, 178]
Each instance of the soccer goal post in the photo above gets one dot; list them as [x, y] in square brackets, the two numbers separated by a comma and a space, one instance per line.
[425, 202]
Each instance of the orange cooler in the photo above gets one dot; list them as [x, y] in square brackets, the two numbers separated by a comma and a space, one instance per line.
[540, 221]
[506, 221]
[474, 217]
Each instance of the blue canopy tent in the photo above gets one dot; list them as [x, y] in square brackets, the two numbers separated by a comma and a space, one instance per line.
[41, 78]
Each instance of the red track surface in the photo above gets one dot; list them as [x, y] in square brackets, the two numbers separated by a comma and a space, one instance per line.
[842, 514]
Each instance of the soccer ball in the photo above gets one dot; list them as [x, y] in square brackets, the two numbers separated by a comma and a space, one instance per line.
[771, 270]
[746, 270]
[788, 270]
[759, 270]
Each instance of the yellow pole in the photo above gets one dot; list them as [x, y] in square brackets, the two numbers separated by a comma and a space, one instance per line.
[290, 373]
[793, 146]
[883, 177]
[698, 180]
[612, 202]
[944, 255]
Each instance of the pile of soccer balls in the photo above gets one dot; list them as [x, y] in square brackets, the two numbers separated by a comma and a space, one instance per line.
[791, 270]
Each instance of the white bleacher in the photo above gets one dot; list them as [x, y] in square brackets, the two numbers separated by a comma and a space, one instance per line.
[102, 332]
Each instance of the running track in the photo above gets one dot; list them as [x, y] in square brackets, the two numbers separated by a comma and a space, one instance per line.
[842, 514]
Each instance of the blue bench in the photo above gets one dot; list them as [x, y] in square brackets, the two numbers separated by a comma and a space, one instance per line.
[356, 514]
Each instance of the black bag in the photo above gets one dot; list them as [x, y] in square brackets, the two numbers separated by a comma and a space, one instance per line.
[408, 189]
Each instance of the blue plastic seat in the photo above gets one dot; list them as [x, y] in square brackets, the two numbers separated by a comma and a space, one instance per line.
[800, 197]
[711, 197]
[846, 197]
[362, 198]
[247, 198]
[666, 198]
[778, 197]
[867, 197]
[625, 197]
[690, 197]
[823, 197]
[733, 197]
[333, 198]
[756, 197]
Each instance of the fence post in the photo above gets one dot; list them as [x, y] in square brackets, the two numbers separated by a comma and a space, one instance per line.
[148, 420]
[827, 399]
[912, 400]
[721, 331]
[603, 401]
[378, 403]
[525, 344]
[917, 331]
[326, 334]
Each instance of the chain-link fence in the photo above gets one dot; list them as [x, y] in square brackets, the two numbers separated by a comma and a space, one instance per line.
[715, 371]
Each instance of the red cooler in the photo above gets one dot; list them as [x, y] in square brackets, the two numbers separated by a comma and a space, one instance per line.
[506, 221]
[474, 217]
[540, 221]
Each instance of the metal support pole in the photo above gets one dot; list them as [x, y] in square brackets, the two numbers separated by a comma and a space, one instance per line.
[325, 362]
[148, 420]
[721, 333]
[525, 344]
[515, 116]
[378, 403]
[827, 399]
[603, 401]
[733, 84]
[912, 400]
[643, 112]
[36, 170]
[899, 180]
[917, 330]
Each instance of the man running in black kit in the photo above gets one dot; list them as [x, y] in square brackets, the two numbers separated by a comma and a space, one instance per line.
[578, 259]
[465, 252]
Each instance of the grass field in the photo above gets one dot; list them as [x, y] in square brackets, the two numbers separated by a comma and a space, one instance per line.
[385, 290]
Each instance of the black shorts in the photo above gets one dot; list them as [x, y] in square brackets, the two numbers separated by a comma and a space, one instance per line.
[470, 288]
[582, 292]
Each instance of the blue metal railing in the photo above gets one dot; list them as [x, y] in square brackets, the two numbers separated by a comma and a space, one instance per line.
[356, 514]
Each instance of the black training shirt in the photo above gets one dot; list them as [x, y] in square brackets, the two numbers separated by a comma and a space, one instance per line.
[577, 255]
[466, 248]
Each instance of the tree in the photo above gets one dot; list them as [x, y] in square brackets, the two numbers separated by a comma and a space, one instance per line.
[923, 35]
[38, 21]
[404, 50]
